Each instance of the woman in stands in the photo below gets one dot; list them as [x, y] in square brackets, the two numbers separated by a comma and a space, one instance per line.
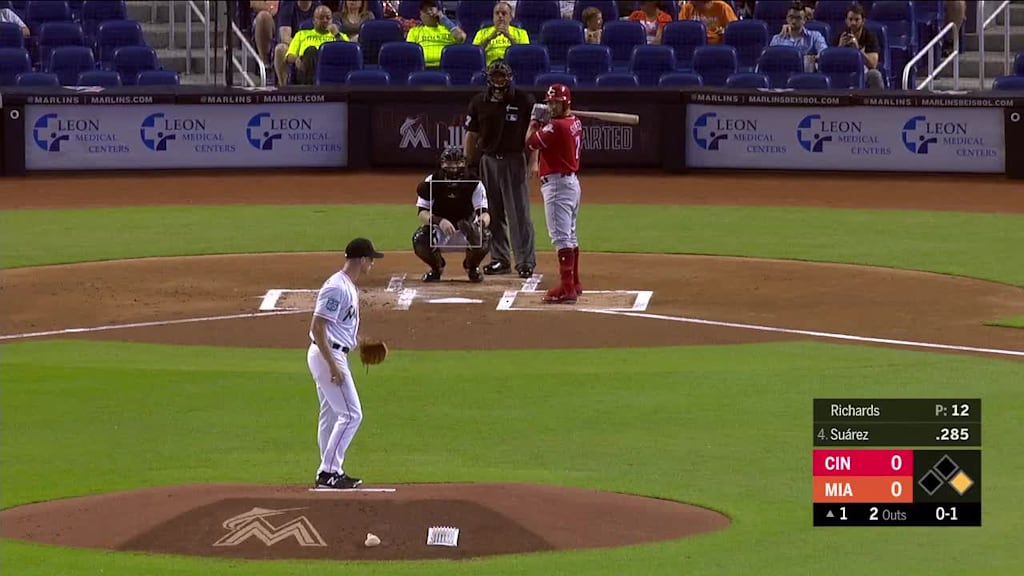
[350, 16]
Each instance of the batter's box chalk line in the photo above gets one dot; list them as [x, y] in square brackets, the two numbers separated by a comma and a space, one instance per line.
[641, 300]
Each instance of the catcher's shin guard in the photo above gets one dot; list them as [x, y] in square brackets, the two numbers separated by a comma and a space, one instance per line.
[565, 292]
[430, 256]
[576, 270]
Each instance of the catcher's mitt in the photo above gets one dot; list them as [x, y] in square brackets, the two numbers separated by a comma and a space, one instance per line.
[372, 352]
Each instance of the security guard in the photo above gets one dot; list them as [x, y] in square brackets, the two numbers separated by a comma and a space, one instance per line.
[495, 141]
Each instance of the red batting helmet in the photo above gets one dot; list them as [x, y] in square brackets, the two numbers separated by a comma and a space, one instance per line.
[559, 93]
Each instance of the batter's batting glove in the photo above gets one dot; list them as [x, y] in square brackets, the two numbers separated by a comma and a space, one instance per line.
[540, 113]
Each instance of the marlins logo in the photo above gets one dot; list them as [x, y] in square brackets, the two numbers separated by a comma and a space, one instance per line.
[413, 133]
[254, 523]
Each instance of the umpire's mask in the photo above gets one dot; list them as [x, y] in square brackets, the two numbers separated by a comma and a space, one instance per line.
[499, 78]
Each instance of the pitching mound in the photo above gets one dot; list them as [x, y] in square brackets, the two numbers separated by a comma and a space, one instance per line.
[284, 522]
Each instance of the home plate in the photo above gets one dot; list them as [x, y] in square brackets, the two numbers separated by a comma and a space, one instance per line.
[455, 301]
[354, 490]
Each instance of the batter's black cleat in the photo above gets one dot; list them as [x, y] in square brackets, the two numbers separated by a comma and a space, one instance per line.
[335, 481]
[433, 276]
[497, 267]
[474, 274]
[525, 271]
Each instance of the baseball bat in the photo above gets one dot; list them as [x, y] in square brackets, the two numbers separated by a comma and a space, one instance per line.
[616, 117]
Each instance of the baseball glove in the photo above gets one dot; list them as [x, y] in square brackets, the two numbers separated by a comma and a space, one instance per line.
[372, 352]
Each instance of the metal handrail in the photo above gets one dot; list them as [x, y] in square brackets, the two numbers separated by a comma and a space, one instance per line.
[982, 24]
[929, 50]
[204, 19]
[243, 66]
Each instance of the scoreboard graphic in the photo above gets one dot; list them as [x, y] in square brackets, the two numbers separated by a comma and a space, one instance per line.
[897, 462]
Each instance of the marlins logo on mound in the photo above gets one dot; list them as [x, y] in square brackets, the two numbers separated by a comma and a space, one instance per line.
[254, 523]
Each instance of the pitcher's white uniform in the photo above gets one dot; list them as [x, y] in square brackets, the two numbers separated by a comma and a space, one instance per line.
[340, 410]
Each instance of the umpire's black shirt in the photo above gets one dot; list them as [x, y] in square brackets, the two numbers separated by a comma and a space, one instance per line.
[501, 126]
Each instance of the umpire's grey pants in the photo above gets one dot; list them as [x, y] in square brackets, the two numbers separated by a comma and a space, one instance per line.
[508, 200]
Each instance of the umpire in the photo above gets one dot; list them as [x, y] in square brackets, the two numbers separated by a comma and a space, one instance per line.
[496, 142]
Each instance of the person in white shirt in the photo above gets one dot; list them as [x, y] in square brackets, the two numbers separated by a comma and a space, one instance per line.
[8, 15]
[334, 331]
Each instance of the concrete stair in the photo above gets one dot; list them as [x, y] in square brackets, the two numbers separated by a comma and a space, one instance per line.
[995, 63]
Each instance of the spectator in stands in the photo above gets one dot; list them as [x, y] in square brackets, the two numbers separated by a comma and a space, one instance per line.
[10, 16]
[305, 45]
[593, 22]
[565, 7]
[955, 11]
[654, 20]
[810, 43]
[496, 39]
[715, 14]
[434, 32]
[290, 16]
[263, 27]
[856, 35]
[350, 16]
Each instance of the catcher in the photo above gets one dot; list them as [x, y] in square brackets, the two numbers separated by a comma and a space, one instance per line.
[453, 216]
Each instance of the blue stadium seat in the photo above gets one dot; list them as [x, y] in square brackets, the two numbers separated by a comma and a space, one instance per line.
[157, 78]
[368, 78]
[779, 63]
[336, 60]
[375, 33]
[806, 81]
[535, 14]
[38, 12]
[1009, 83]
[377, 7]
[96, 11]
[37, 79]
[527, 62]
[11, 36]
[56, 34]
[429, 78]
[772, 13]
[409, 10]
[105, 78]
[844, 66]
[650, 62]
[821, 27]
[898, 17]
[684, 37]
[130, 60]
[114, 34]
[617, 80]
[833, 13]
[749, 37]
[588, 61]
[1018, 64]
[609, 11]
[559, 36]
[471, 14]
[885, 53]
[748, 80]
[479, 78]
[621, 36]
[399, 59]
[680, 80]
[715, 63]
[550, 78]
[67, 62]
[461, 61]
[13, 61]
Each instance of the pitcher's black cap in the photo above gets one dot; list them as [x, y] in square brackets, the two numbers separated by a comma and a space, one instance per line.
[361, 248]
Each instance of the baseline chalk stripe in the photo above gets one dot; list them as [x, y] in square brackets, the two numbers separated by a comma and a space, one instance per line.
[270, 300]
[405, 298]
[599, 300]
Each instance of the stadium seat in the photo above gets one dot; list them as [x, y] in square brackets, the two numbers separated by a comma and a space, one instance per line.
[684, 37]
[1018, 64]
[37, 79]
[67, 62]
[157, 78]
[772, 13]
[609, 11]
[621, 36]
[114, 34]
[105, 78]
[680, 80]
[821, 27]
[779, 63]
[56, 34]
[844, 66]
[885, 53]
[588, 61]
[428, 78]
[375, 33]
[527, 62]
[377, 7]
[11, 36]
[479, 78]
[617, 80]
[833, 13]
[535, 14]
[749, 38]
[898, 17]
[461, 61]
[13, 61]
[368, 78]
[39, 12]
[805, 81]
[470, 15]
[650, 62]
[748, 80]
[715, 63]
[410, 10]
[130, 60]
[336, 60]
[1009, 83]
[96, 11]
[399, 59]
[550, 78]
[558, 36]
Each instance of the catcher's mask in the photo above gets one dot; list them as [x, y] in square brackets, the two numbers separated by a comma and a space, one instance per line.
[499, 78]
[453, 163]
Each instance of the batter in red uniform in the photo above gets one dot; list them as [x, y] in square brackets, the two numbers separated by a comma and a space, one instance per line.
[557, 134]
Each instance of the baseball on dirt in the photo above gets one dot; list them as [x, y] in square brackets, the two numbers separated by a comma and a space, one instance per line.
[371, 540]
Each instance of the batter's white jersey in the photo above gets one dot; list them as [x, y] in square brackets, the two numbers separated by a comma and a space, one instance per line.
[338, 303]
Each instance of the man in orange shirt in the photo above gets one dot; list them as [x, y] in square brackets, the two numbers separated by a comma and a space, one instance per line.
[715, 14]
[653, 19]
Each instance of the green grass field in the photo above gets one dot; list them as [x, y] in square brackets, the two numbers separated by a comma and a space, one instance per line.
[724, 427]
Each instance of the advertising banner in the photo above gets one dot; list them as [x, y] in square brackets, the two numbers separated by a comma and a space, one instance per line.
[412, 134]
[71, 137]
[854, 138]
